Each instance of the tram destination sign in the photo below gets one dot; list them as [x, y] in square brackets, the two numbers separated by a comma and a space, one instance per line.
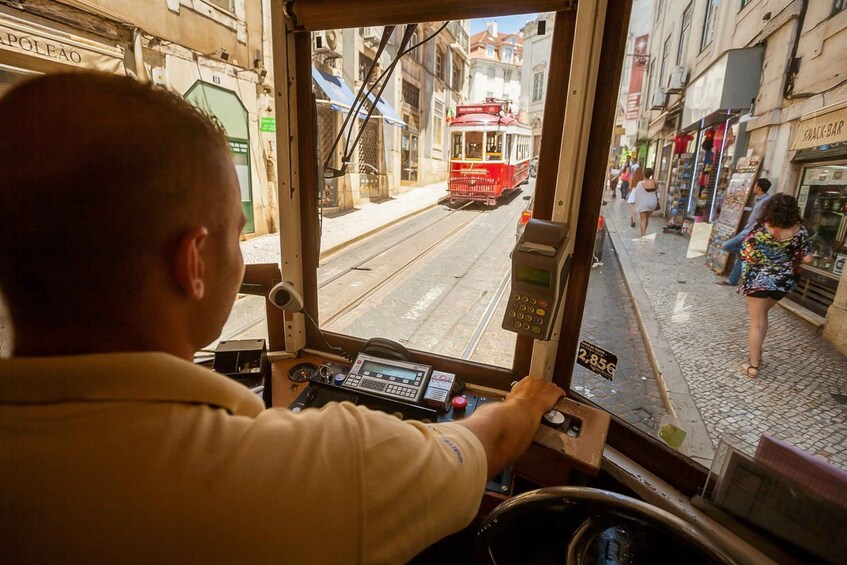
[597, 360]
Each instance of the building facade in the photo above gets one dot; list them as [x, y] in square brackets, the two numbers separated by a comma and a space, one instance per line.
[214, 53]
[495, 66]
[538, 40]
[759, 78]
[403, 144]
[629, 114]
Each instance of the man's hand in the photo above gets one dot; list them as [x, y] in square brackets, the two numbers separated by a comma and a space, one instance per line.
[506, 429]
[540, 395]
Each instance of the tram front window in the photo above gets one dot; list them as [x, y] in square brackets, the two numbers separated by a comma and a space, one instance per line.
[494, 146]
[457, 146]
[473, 145]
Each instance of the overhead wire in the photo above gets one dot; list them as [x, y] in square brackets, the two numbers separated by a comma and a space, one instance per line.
[360, 100]
[387, 74]
[386, 35]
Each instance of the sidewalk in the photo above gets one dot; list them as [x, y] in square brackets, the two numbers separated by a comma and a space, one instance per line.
[349, 226]
[697, 334]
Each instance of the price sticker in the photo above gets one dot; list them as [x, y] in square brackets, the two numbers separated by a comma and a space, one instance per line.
[597, 360]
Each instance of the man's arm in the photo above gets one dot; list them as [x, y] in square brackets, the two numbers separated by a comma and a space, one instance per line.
[506, 429]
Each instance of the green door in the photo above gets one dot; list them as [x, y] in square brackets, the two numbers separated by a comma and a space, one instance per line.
[225, 109]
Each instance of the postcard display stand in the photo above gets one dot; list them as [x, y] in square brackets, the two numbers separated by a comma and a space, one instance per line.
[737, 193]
[680, 185]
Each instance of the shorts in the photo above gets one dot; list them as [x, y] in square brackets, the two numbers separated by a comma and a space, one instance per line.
[772, 294]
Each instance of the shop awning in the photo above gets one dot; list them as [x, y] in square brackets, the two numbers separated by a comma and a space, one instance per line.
[388, 113]
[728, 86]
[340, 96]
[29, 45]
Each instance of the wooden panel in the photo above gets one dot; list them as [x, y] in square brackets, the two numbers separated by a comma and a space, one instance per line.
[307, 152]
[593, 182]
[258, 280]
[586, 450]
[671, 466]
[551, 143]
[286, 390]
[313, 15]
[554, 115]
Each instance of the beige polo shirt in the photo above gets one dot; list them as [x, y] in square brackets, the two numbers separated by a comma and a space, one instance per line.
[144, 457]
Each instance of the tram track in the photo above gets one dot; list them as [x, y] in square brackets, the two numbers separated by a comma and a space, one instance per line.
[370, 258]
[487, 315]
[395, 273]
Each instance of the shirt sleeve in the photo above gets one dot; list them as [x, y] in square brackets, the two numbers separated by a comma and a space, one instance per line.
[410, 483]
[804, 248]
[421, 483]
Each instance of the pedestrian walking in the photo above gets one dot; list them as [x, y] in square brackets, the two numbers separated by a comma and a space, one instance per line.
[772, 254]
[645, 199]
[733, 245]
[613, 179]
[624, 176]
[636, 177]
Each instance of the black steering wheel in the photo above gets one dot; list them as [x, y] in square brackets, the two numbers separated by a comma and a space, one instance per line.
[578, 525]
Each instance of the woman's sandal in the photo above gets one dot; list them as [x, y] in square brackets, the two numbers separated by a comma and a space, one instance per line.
[748, 367]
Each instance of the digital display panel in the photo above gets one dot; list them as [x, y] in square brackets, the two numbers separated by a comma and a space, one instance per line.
[388, 370]
[537, 277]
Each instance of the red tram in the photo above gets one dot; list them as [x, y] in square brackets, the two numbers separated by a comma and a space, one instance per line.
[489, 153]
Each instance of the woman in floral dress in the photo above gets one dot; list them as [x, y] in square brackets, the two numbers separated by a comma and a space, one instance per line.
[772, 254]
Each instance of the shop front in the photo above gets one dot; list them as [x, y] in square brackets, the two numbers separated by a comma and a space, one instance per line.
[820, 147]
[225, 108]
[30, 47]
[706, 149]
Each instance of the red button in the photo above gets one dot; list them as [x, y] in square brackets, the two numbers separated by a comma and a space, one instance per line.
[459, 403]
[542, 303]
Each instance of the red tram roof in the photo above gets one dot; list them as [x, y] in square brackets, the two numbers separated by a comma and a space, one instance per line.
[484, 120]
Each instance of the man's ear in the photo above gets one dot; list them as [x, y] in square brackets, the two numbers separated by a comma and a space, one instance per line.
[189, 268]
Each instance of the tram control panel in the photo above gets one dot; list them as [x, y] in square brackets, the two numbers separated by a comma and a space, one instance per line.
[399, 380]
[539, 271]
[413, 391]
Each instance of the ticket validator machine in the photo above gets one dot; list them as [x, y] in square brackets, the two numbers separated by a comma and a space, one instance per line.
[539, 271]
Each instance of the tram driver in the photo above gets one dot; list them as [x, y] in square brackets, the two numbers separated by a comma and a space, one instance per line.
[120, 219]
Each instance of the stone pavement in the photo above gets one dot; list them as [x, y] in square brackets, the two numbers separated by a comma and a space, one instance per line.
[697, 330]
[349, 226]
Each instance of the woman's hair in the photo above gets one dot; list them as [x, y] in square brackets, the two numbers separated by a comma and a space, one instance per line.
[637, 176]
[648, 172]
[781, 211]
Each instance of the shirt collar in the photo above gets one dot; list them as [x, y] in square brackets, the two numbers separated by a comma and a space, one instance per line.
[763, 197]
[128, 377]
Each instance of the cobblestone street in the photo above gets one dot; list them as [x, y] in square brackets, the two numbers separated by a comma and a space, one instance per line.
[796, 396]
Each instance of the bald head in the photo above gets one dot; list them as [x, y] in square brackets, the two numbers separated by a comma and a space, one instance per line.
[100, 178]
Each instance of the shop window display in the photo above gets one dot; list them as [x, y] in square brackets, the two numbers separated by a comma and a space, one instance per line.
[822, 198]
[823, 201]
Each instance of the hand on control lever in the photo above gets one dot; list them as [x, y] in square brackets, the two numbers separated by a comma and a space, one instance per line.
[539, 394]
[506, 429]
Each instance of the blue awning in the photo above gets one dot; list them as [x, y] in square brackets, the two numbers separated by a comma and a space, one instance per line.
[340, 96]
[388, 113]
